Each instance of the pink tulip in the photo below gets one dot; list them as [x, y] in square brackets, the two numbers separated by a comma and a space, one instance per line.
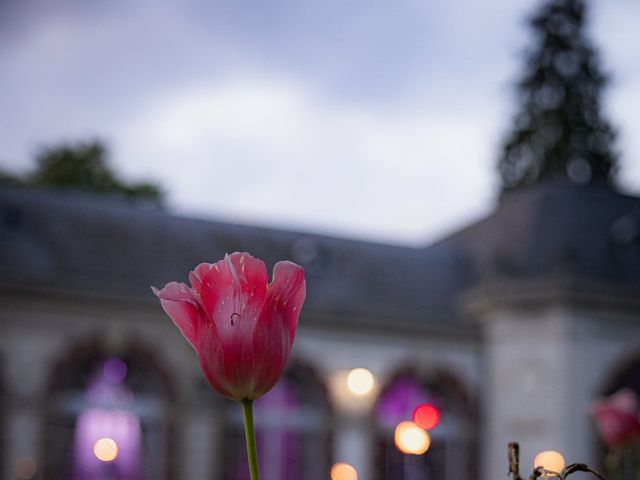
[617, 418]
[241, 327]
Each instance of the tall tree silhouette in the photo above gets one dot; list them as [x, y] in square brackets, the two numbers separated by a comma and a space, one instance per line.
[559, 130]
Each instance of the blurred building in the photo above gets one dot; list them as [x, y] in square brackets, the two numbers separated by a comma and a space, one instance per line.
[509, 328]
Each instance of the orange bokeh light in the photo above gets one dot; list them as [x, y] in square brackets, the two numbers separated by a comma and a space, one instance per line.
[411, 439]
[26, 468]
[343, 471]
[426, 416]
[549, 460]
[105, 449]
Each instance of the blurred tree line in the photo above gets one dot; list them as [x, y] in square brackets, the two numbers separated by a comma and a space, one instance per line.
[83, 166]
[559, 130]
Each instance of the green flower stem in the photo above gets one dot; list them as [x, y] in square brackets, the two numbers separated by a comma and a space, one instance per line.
[250, 435]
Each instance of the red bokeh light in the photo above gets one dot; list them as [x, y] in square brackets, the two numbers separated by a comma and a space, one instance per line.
[426, 416]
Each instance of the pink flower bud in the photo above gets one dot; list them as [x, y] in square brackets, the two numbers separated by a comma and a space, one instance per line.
[241, 326]
[617, 418]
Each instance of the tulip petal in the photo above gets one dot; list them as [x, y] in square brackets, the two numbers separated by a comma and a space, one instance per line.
[287, 293]
[211, 355]
[275, 331]
[196, 276]
[232, 294]
[180, 305]
[233, 290]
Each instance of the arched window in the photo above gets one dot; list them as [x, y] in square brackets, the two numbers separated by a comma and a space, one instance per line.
[292, 431]
[107, 418]
[451, 452]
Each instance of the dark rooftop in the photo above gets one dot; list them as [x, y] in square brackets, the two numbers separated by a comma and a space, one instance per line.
[587, 232]
[84, 243]
[80, 242]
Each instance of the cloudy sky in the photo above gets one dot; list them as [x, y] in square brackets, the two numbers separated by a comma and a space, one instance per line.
[370, 119]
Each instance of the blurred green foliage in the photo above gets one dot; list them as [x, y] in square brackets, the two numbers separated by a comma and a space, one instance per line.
[82, 166]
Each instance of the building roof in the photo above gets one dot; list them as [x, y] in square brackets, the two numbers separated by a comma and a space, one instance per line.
[556, 227]
[87, 243]
[581, 243]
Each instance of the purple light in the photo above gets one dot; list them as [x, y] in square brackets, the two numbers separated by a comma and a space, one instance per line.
[398, 403]
[280, 399]
[114, 370]
[107, 417]
[105, 394]
[121, 426]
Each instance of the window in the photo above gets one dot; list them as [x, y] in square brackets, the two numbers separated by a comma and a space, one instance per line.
[292, 432]
[451, 451]
[107, 419]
